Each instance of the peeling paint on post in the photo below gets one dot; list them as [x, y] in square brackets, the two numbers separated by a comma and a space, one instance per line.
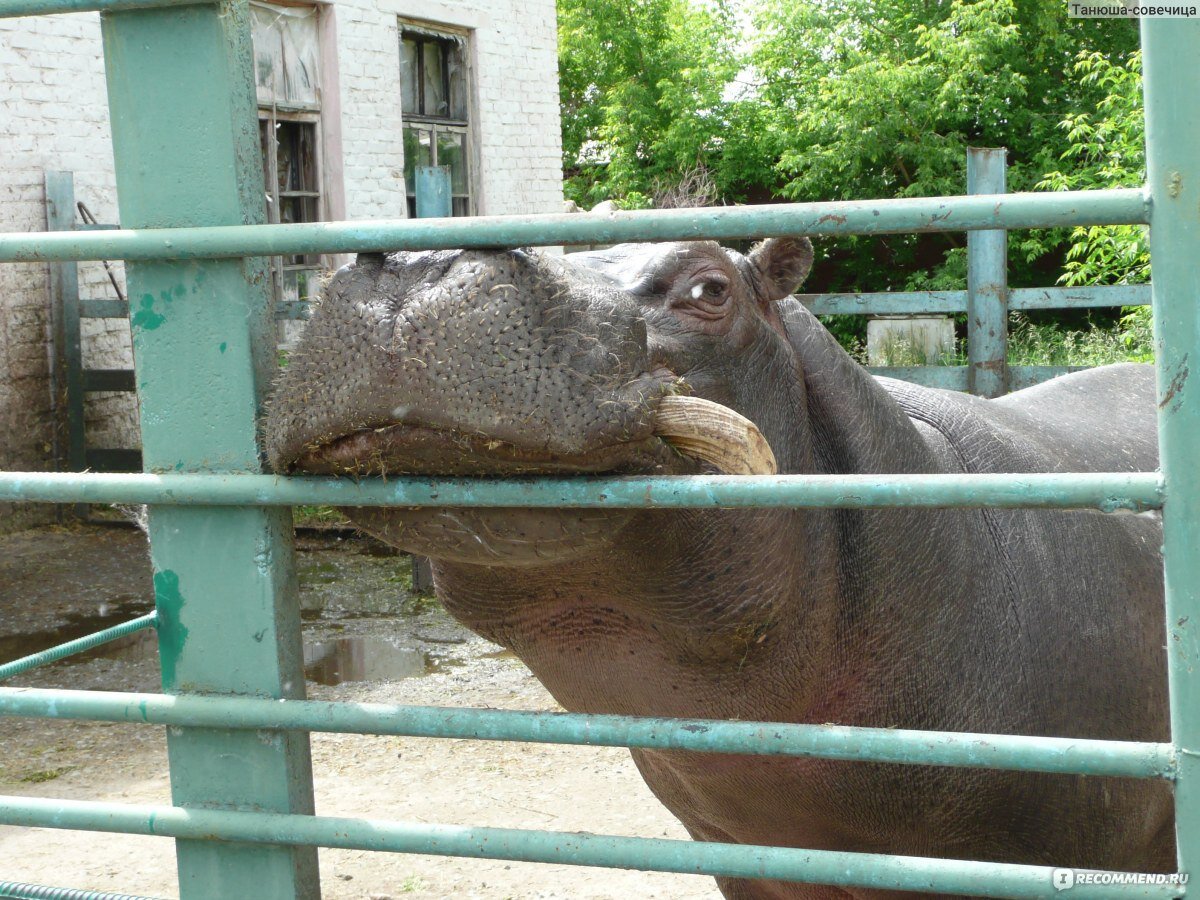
[202, 340]
[987, 283]
[1172, 136]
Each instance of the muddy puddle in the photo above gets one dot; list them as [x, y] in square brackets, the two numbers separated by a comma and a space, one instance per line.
[362, 621]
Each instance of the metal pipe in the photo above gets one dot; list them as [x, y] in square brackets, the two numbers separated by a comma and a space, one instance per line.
[11, 9]
[919, 303]
[1015, 752]
[17, 890]
[79, 645]
[1172, 84]
[948, 876]
[913, 214]
[1106, 491]
[987, 283]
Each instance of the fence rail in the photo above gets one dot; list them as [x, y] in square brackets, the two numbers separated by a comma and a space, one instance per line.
[916, 214]
[186, 166]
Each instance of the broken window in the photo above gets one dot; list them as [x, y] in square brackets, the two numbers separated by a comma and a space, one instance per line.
[434, 102]
[287, 77]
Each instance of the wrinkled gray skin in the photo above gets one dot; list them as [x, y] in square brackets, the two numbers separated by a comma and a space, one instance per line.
[1038, 622]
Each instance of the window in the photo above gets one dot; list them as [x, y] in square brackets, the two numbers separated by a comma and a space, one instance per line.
[290, 171]
[435, 95]
[287, 76]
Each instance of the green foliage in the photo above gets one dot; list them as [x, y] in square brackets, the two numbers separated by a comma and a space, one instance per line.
[641, 86]
[1107, 150]
[857, 99]
[834, 99]
[881, 98]
[1050, 344]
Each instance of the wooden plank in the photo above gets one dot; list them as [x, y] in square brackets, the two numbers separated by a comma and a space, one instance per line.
[108, 380]
[104, 308]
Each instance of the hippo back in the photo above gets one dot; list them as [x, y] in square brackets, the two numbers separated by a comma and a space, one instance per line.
[1098, 420]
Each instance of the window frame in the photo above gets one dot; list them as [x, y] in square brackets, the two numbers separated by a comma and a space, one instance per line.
[460, 40]
[304, 114]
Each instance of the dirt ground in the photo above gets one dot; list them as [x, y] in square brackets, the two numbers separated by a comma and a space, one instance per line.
[366, 639]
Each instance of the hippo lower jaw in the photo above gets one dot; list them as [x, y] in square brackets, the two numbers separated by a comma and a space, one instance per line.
[404, 449]
[691, 435]
[682, 432]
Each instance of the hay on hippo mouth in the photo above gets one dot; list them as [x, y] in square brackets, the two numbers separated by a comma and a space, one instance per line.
[696, 429]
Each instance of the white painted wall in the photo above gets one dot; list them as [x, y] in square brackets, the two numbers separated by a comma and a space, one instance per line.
[53, 115]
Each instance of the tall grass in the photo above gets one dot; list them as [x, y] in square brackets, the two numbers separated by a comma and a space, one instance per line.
[1032, 344]
[1053, 345]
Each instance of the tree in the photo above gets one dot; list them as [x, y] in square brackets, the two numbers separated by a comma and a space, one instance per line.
[641, 86]
[1107, 150]
[874, 99]
[835, 99]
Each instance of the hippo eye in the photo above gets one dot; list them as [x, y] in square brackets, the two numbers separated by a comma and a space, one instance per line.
[711, 290]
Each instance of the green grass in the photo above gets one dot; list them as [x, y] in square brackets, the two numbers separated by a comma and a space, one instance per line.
[317, 516]
[1051, 345]
[44, 775]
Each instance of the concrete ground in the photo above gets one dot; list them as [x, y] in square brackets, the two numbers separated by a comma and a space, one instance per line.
[366, 639]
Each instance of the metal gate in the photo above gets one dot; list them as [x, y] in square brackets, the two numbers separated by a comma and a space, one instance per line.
[229, 635]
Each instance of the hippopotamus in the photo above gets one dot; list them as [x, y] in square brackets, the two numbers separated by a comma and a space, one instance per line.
[1011, 621]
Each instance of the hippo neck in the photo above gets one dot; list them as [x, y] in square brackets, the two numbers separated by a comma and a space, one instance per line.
[855, 426]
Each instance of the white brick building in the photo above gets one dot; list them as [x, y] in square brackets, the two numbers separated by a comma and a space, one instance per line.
[345, 87]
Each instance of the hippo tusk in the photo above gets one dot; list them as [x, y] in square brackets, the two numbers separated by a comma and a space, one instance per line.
[715, 434]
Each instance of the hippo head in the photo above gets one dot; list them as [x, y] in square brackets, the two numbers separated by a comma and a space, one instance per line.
[519, 362]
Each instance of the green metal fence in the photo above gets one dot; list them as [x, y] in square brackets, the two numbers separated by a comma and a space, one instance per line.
[190, 192]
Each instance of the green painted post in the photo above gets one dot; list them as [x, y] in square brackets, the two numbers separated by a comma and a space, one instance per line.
[1172, 82]
[987, 283]
[185, 139]
[433, 192]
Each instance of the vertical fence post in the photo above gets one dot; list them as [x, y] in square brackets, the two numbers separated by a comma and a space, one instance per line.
[1172, 82]
[66, 371]
[186, 145]
[987, 283]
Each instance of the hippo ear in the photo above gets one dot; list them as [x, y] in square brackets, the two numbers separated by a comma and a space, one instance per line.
[783, 263]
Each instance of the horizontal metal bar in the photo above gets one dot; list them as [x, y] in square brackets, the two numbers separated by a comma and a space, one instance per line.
[18, 890]
[103, 226]
[1106, 491]
[884, 303]
[1048, 210]
[113, 308]
[918, 303]
[1079, 297]
[103, 308]
[10, 9]
[109, 380]
[875, 870]
[890, 745]
[79, 645]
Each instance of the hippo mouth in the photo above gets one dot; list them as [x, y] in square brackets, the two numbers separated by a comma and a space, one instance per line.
[687, 433]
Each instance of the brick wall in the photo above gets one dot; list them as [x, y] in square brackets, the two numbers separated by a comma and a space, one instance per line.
[515, 67]
[53, 116]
